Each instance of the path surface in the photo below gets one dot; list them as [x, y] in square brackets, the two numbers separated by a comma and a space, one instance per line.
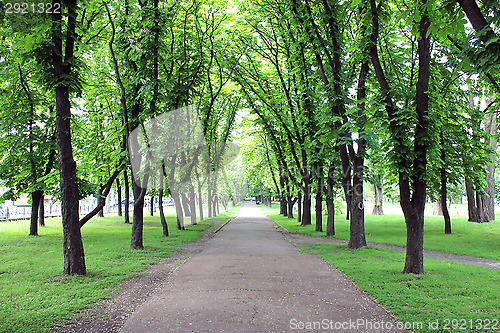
[250, 278]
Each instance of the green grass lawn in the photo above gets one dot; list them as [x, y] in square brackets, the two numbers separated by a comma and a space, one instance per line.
[456, 297]
[472, 239]
[34, 295]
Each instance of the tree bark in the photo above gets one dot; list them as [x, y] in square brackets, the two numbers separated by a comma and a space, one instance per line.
[41, 212]
[306, 205]
[185, 204]
[119, 192]
[35, 203]
[162, 215]
[74, 258]
[357, 237]
[99, 198]
[444, 190]
[471, 201]
[136, 239]
[299, 206]
[152, 207]
[192, 203]
[319, 208]
[438, 207]
[330, 221]
[178, 210]
[377, 209]
[126, 209]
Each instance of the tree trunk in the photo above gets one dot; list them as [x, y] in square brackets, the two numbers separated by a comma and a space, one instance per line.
[306, 208]
[216, 205]
[152, 208]
[162, 215]
[437, 207]
[74, 258]
[119, 192]
[185, 204]
[35, 203]
[99, 195]
[282, 196]
[136, 240]
[444, 205]
[200, 203]
[178, 210]
[209, 203]
[290, 204]
[330, 221]
[319, 209]
[192, 202]
[357, 226]
[41, 212]
[299, 206]
[489, 199]
[127, 198]
[377, 209]
[471, 201]
[414, 262]
[414, 212]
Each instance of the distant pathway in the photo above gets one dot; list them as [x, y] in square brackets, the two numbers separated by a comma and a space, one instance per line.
[300, 239]
[249, 278]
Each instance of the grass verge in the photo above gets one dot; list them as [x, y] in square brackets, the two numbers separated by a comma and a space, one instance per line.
[455, 297]
[470, 239]
[35, 296]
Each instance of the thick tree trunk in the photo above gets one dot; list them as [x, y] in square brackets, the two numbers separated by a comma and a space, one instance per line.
[437, 209]
[471, 201]
[306, 206]
[178, 211]
[377, 209]
[414, 217]
[357, 226]
[35, 202]
[74, 258]
[119, 192]
[41, 212]
[136, 240]
[185, 204]
[414, 262]
[330, 220]
[162, 215]
[127, 198]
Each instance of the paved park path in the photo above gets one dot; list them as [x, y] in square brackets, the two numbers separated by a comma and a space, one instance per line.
[249, 278]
